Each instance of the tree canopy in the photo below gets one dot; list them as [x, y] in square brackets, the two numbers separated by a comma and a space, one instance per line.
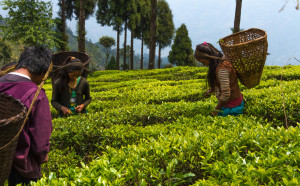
[165, 27]
[29, 22]
[107, 42]
[181, 51]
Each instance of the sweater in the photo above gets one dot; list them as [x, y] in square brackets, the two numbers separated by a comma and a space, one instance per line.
[62, 98]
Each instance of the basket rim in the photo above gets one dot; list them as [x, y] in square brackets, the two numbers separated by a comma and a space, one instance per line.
[244, 43]
[69, 52]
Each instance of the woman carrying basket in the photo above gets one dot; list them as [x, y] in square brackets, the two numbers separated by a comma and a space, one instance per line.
[222, 79]
[71, 92]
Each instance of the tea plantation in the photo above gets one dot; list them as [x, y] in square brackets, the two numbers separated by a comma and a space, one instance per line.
[153, 127]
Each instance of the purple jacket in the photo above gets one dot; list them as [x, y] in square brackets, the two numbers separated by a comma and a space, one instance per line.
[33, 144]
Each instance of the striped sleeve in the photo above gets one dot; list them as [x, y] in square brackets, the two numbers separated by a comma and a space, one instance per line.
[223, 76]
[217, 92]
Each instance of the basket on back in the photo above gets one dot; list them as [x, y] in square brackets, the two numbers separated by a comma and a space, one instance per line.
[12, 114]
[59, 58]
[247, 50]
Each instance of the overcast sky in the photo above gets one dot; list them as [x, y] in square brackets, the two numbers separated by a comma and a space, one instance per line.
[210, 20]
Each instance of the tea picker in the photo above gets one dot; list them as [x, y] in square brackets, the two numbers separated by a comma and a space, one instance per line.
[244, 58]
[13, 117]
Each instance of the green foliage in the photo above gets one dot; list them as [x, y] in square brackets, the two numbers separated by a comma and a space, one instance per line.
[5, 52]
[73, 8]
[152, 127]
[107, 42]
[63, 39]
[61, 27]
[143, 26]
[110, 13]
[165, 25]
[29, 22]
[181, 51]
[112, 64]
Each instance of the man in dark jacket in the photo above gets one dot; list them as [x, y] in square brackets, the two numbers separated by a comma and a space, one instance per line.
[33, 145]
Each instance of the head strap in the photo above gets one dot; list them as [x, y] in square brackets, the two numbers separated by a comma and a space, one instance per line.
[201, 55]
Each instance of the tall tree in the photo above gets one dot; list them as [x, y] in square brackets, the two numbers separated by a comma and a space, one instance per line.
[107, 42]
[29, 22]
[129, 16]
[133, 20]
[152, 34]
[82, 9]
[110, 13]
[81, 27]
[237, 18]
[143, 26]
[125, 65]
[181, 51]
[61, 27]
[165, 27]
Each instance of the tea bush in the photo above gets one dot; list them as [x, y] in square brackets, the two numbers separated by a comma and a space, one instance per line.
[152, 127]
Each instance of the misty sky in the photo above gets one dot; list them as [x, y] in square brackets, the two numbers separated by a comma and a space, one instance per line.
[210, 20]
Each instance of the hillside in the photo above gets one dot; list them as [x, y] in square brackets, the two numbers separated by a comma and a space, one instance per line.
[97, 53]
[153, 127]
[94, 50]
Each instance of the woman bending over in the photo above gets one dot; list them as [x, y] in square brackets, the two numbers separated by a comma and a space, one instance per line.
[71, 92]
[222, 79]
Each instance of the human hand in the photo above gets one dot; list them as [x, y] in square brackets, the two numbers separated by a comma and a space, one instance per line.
[79, 108]
[214, 113]
[66, 110]
[46, 159]
[207, 93]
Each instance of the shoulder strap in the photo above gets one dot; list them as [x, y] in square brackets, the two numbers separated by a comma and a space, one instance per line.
[28, 94]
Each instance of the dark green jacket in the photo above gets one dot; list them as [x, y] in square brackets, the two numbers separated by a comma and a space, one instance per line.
[60, 99]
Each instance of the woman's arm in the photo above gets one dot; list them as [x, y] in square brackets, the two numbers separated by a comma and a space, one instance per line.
[223, 76]
[55, 97]
[86, 93]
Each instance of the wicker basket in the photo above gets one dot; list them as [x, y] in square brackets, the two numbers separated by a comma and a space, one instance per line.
[12, 114]
[247, 50]
[59, 58]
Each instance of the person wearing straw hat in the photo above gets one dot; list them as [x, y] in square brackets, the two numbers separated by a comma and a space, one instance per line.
[71, 92]
[222, 79]
[33, 144]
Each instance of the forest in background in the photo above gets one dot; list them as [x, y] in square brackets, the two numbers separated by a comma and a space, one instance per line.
[94, 50]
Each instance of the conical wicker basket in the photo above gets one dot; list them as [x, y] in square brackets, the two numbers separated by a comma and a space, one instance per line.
[59, 58]
[12, 114]
[247, 50]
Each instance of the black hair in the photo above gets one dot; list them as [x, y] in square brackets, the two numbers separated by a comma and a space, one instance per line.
[35, 59]
[63, 76]
[210, 50]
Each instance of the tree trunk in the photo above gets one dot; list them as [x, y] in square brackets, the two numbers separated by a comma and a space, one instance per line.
[159, 55]
[125, 43]
[152, 34]
[142, 52]
[131, 51]
[63, 20]
[81, 42]
[107, 56]
[118, 49]
[237, 19]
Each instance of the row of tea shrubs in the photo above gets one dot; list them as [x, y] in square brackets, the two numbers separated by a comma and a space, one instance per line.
[152, 127]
